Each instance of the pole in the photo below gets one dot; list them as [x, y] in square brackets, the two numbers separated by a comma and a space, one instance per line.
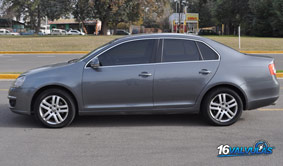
[184, 20]
[174, 17]
[172, 26]
[176, 6]
[179, 16]
[45, 24]
[239, 31]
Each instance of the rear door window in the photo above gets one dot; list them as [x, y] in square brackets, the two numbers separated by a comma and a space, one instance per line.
[176, 50]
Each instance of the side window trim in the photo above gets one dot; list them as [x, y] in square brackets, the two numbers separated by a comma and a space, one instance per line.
[199, 51]
[159, 49]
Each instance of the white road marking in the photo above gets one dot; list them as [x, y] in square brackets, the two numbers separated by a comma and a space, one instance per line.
[270, 109]
[6, 56]
[45, 56]
[7, 80]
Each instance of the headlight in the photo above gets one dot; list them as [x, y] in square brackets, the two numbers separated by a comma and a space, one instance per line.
[19, 81]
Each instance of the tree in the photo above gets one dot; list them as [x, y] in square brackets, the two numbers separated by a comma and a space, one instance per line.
[34, 10]
[277, 20]
[115, 11]
[82, 11]
[263, 14]
[109, 12]
[119, 15]
[155, 13]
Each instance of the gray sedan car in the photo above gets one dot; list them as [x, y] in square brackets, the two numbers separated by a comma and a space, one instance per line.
[149, 74]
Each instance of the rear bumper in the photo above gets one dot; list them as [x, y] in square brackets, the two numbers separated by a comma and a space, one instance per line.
[262, 93]
[261, 103]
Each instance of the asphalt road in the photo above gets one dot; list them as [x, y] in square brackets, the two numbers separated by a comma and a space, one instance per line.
[24, 62]
[136, 140]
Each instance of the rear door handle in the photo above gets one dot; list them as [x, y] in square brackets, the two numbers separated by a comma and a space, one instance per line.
[204, 72]
[145, 74]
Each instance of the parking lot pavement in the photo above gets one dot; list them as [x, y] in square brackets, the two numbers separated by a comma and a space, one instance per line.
[136, 140]
[24, 62]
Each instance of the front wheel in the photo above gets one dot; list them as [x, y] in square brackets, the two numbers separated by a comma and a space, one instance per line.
[54, 108]
[222, 107]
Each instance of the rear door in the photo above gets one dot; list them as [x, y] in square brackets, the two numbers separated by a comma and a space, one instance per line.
[183, 72]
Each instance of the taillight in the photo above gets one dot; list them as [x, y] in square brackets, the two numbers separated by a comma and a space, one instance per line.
[272, 69]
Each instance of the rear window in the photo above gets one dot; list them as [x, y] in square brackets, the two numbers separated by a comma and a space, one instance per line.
[206, 52]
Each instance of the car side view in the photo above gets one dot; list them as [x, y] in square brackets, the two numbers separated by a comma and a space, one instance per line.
[149, 74]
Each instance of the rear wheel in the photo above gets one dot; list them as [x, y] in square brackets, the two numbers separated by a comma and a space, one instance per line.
[54, 108]
[222, 107]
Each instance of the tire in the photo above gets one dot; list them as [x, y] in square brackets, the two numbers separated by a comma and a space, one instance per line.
[222, 107]
[54, 108]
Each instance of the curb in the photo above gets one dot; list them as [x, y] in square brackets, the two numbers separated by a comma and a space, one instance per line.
[14, 76]
[9, 76]
[262, 52]
[44, 52]
[85, 52]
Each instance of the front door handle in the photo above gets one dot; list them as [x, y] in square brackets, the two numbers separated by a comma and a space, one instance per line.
[145, 74]
[204, 72]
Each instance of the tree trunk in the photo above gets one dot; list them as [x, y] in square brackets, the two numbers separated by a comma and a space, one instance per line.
[31, 21]
[115, 28]
[104, 27]
[38, 19]
[84, 28]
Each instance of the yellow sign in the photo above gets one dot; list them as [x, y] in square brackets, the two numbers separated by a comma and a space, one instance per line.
[192, 16]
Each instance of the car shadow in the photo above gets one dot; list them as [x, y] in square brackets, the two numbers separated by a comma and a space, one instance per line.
[139, 120]
[9, 119]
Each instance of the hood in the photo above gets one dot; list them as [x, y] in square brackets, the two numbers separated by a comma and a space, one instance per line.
[46, 68]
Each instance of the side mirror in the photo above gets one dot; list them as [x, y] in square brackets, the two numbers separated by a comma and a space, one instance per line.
[94, 63]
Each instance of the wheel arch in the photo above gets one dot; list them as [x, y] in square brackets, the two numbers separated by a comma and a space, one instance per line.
[237, 89]
[40, 90]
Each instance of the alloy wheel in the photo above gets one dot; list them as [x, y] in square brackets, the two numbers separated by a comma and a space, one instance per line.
[223, 107]
[53, 109]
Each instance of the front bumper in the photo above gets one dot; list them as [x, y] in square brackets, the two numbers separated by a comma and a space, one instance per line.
[20, 100]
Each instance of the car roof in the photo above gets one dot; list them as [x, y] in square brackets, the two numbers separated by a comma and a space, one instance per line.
[160, 35]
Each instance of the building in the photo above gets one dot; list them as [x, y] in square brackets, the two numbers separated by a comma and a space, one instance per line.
[189, 22]
[89, 27]
[12, 25]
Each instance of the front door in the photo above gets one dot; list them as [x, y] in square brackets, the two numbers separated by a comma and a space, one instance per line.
[123, 81]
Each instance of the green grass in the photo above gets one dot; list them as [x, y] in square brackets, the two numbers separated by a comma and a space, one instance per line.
[10, 72]
[88, 43]
[53, 43]
[251, 43]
